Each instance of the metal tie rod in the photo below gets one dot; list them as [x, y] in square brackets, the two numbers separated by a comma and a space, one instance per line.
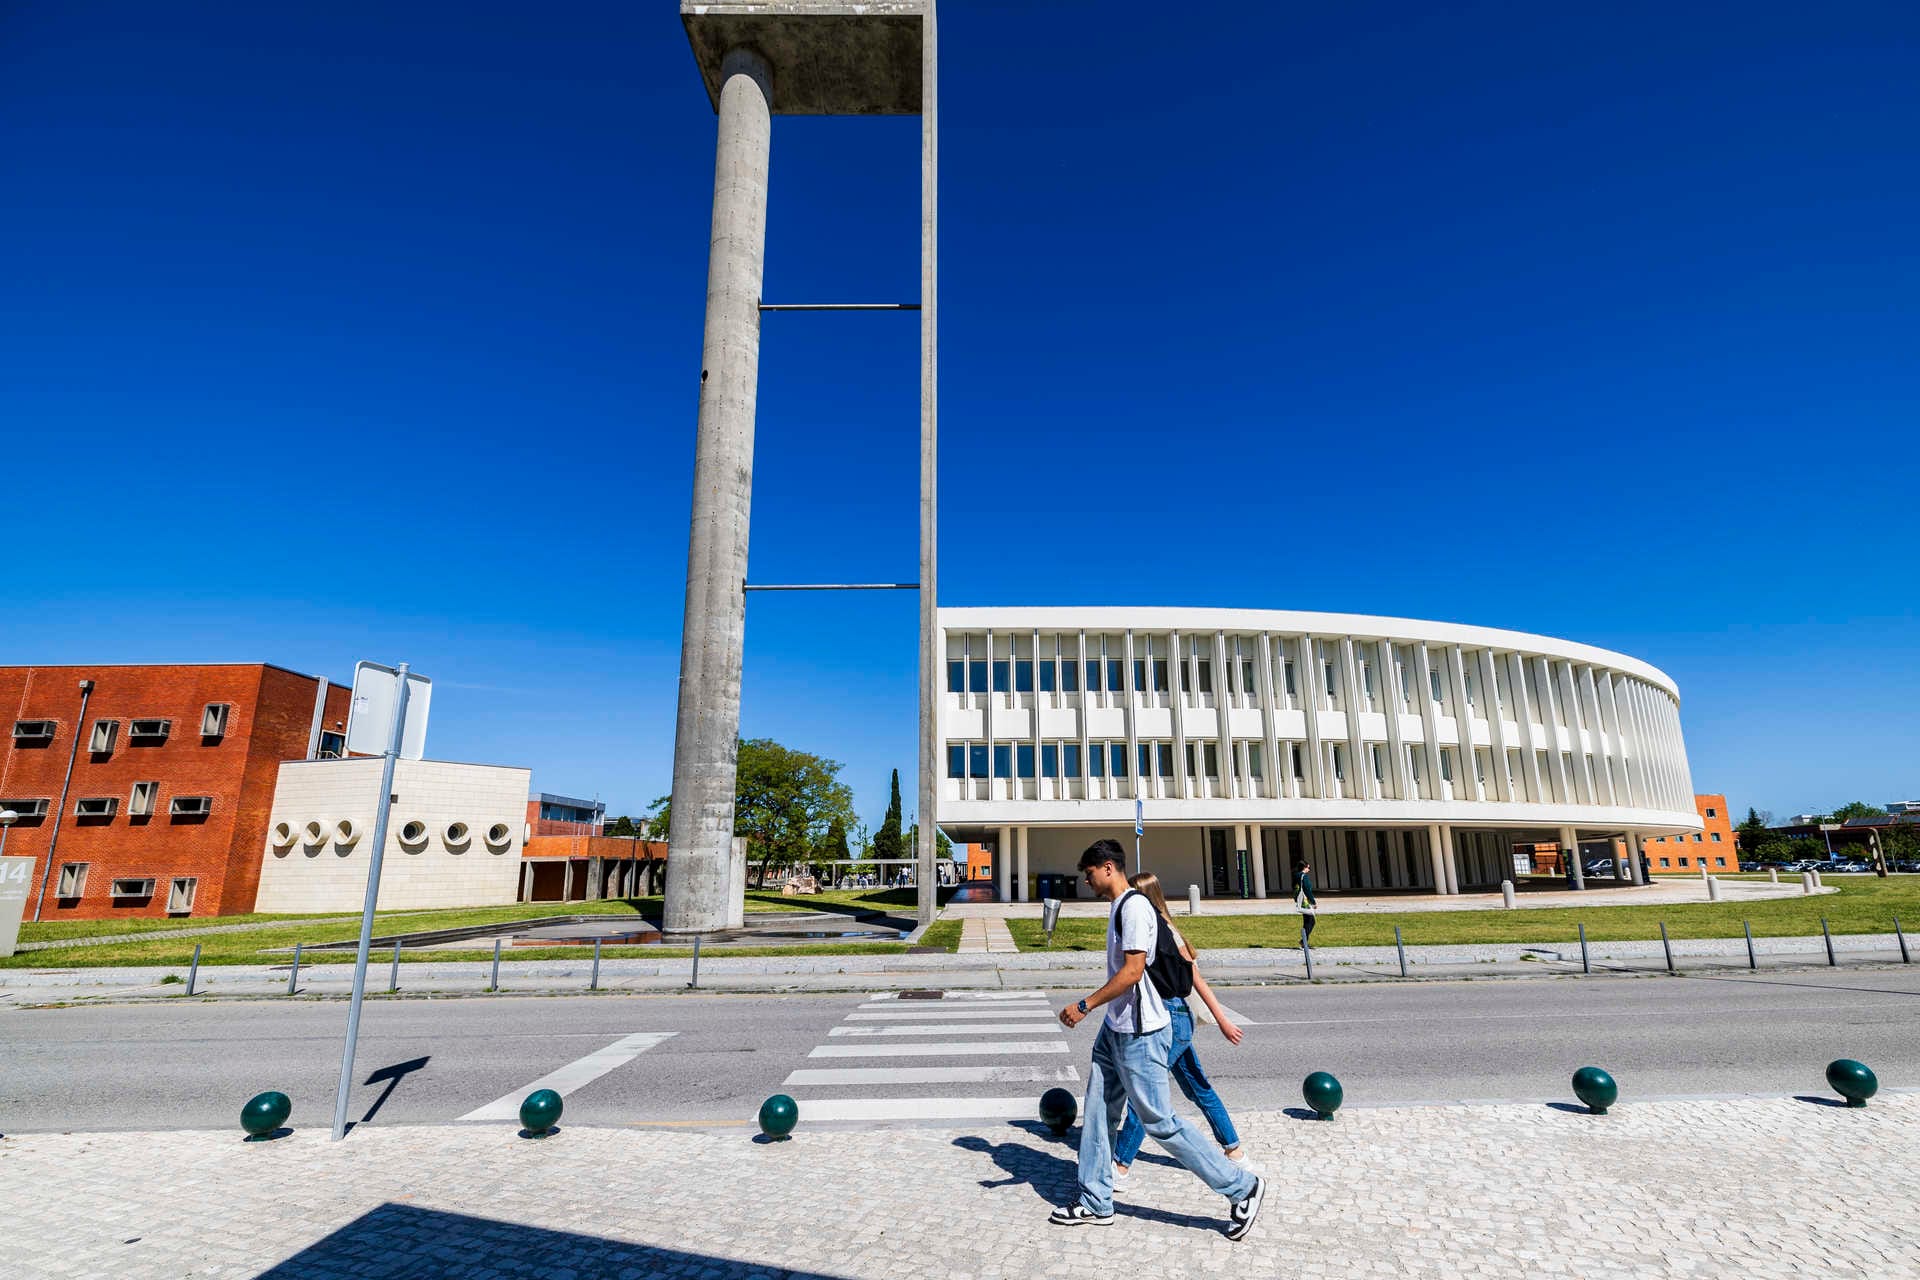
[839, 306]
[830, 586]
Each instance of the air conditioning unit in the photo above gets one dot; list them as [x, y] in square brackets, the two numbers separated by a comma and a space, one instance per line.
[133, 887]
[191, 806]
[104, 734]
[96, 806]
[148, 730]
[28, 732]
[213, 721]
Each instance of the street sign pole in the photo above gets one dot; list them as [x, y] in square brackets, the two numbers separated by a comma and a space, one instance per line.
[1139, 829]
[373, 896]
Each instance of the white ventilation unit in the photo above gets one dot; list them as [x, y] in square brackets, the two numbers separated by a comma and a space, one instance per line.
[96, 806]
[180, 895]
[73, 879]
[133, 887]
[148, 731]
[26, 809]
[191, 806]
[140, 803]
[29, 732]
[213, 721]
[105, 732]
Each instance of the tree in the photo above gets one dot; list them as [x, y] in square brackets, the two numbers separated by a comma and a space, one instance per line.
[659, 817]
[836, 842]
[785, 801]
[1751, 834]
[623, 826]
[1856, 809]
[886, 844]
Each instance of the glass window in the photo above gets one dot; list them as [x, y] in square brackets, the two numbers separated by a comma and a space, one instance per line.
[1070, 677]
[1716, 837]
[1046, 676]
[1003, 761]
[1023, 756]
[1206, 675]
[1070, 757]
[977, 759]
[1212, 759]
[1097, 760]
[1339, 764]
[956, 677]
[1696, 837]
[977, 677]
[1190, 768]
[1446, 763]
[1118, 758]
[1116, 680]
[1146, 759]
[1165, 751]
[1140, 675]
[1366, 679]
[1160, 684]
[1664, 862]
[1433, 677]
[1000, 677]
[1299, 762]
[1093, 675]
[1291, 693]
[1249, 685]
[1719, 862]
[1023, 677]
[1468, 680]
[1253, 759]
[1049, 761]
[1326, 669]
[1379, 765]
[1683, 862]
[1713, 813]
[956, 759]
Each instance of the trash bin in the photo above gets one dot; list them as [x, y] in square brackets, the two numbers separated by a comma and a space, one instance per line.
[1056, 885]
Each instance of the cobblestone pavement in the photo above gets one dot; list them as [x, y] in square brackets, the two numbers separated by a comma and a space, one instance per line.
[1658, 1189]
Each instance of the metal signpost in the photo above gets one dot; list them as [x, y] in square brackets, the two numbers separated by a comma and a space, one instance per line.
[383, 709]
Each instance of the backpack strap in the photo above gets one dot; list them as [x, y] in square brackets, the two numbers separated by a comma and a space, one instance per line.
[1120, 915]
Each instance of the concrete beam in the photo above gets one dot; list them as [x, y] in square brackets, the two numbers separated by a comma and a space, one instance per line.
[829, 57]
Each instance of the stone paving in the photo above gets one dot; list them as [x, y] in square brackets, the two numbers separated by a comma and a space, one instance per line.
[1755, 1188]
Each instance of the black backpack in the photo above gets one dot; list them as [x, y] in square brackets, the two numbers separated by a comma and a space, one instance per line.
[1171, 972]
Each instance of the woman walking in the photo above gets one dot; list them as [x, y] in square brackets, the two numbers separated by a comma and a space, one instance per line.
[1183, 1064]
[1303, 898]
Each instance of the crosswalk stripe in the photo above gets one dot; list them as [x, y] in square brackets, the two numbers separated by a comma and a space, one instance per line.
[916, 1109]
[949, 1029]
[957, 1015]
[995, 1047]
[932, 1075]
[573, 1075]
[890, 997]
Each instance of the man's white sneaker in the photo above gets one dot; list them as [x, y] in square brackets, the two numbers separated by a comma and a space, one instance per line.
[1240, 1217]
[1078, 1215]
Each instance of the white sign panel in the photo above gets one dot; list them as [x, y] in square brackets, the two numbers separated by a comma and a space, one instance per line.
[15, 875]
[376, 692]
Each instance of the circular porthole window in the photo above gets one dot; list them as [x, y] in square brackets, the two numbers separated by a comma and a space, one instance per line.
[457, 836]
[499, 836]
[282, 834]
[413, 836]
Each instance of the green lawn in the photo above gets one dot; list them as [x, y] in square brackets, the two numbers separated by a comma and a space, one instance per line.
[1864, 904]
[268, 945]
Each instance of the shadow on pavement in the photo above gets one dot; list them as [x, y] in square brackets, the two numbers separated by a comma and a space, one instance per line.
[399, 1242]
[1818, 1101]
[391, 1076]
[1056, 1180]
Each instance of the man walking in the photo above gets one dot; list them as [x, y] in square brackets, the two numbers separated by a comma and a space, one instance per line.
[1130, 1063]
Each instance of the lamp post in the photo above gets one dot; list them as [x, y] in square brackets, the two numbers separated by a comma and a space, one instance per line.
[7, 818]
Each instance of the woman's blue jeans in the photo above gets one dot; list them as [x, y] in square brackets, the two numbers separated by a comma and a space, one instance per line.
[1183, 1066]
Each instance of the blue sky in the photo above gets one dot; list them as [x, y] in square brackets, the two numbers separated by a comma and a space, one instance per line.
[355, 330]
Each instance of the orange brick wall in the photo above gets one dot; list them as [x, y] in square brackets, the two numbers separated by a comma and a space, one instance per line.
[540, 846]
[270, 721]
[1713, 812]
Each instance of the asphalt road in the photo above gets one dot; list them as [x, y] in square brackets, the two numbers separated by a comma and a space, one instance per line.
[191, 1065]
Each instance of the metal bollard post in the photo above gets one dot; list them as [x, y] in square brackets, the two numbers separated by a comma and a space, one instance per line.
[1401, 948]
[494, 985]
[1713, 888]
[1193, 899]
[293, 979]
[1306, 950]
[1666, 946]
[193, 970]
[696, 963]
[393, 976]
[594, 983]
[1825, 933]
[1585, 965]
[1506, 892]
[1752, 961]
[1904, 957]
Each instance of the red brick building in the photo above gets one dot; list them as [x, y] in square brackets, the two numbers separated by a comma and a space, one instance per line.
[1713, 848]
[145, 790]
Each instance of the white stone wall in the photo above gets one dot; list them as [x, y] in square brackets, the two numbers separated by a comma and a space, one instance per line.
[330, 874]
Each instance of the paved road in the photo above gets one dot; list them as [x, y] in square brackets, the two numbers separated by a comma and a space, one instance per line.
[971, 1055]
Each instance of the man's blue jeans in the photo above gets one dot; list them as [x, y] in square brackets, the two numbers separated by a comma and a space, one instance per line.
[1183, 1066]
[1131, 1071]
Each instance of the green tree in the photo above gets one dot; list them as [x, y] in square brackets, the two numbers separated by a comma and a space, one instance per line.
[836, 843]
[1751, 834]
[623, 826]
[659, 817]
[886, 843]
[786, 801]
[1856, 809]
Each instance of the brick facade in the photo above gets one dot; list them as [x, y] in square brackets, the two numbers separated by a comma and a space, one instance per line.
[1714, 847]
[270, 720]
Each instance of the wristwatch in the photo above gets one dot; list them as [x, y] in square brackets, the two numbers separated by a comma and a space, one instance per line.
[1082, 1007]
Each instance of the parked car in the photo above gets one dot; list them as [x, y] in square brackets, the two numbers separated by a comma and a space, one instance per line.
[1907, 866]
[1599, 867]
[1851, 868]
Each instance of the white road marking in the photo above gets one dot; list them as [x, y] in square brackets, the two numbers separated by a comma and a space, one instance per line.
[917, 1109]
[575, 1074]
[994, 1047]
[892, 996]
[932, 1075]
[1048, 1027]
[957, 1015]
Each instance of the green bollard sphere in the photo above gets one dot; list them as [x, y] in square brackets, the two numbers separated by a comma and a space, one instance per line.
[540, 1112]
[1852, 1080]
[265, 1113]
[778, 1115]
[1057, 1110]
[1323, 1093]
[1596, 1089]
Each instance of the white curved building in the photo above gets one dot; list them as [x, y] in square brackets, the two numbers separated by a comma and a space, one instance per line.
[1390, 753]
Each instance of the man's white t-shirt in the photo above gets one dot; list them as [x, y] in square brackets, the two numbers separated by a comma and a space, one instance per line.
[1136, 929]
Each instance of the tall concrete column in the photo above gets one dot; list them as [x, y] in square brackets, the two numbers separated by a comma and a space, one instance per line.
[1433, 857]
[1633, 858]
[1003, 864]
[1570, 849]
[1020, 869]
[707, 731]
[1258, 852]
